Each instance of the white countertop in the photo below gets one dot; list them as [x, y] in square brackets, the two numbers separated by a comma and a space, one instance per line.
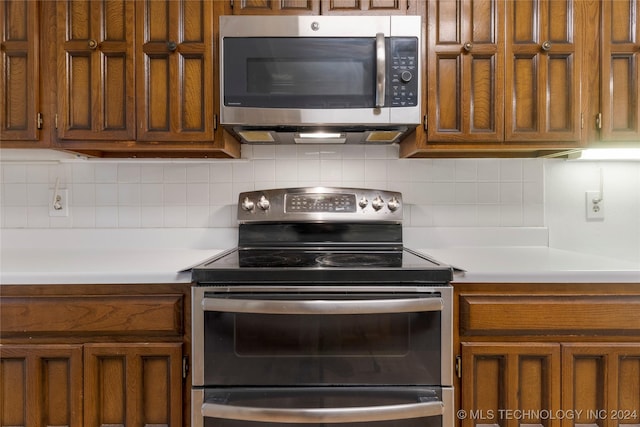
[534, 265]
[99, 266]
[81, 257]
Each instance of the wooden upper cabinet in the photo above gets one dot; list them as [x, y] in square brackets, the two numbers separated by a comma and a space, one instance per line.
[502, 75]
[20, 71]
[175, 83]
[324, 7]
[368, 7]
[542, 74]
[275, 7]
[96, 69]
[465, 63]
[620, 71]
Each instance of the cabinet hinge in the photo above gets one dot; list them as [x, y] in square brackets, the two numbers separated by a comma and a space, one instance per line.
[424, 123]
[215, 122]
[185, 367]
[39, 121]
[459, 366]
[599, 121]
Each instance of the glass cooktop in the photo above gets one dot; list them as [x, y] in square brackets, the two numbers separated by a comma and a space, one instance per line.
[321, 265]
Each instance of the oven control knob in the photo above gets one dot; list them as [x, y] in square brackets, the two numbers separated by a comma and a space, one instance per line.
[264, 203]
[377, 203]
[393, 204]
[363, 202]
[247, 204]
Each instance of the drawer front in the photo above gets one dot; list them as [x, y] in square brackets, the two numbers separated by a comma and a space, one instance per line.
[482, 315]
[113, 315]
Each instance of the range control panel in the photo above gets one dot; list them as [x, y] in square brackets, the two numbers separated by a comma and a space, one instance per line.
[320, 204]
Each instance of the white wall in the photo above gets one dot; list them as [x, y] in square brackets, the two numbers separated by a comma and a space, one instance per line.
[170, 194]
[618, 234]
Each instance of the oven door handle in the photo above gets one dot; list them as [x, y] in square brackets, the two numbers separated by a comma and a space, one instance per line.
[376, 306]
[324, 415]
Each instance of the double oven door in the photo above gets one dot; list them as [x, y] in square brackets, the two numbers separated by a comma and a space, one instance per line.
[340, 355]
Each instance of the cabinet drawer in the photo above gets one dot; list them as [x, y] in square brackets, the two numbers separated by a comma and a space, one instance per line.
[549, 315]
[113, 315]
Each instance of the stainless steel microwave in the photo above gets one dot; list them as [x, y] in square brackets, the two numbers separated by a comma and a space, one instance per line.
[284, 77]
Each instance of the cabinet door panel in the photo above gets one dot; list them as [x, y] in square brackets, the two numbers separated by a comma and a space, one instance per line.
[604, 380]
[358, 7]
[20, 70]
[133, 384]
[620, 71]
[559, 69]
[628, 386]
[276, 7]
[504, 376]
[464, 71]
[543, 71]
[41, 385]
[175, 90]
[96, 73]
[525, 91]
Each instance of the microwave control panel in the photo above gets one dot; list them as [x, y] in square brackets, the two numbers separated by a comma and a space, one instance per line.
[403, 69]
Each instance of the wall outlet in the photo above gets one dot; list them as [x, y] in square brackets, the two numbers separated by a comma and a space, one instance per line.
[59, 203]
[594, 205]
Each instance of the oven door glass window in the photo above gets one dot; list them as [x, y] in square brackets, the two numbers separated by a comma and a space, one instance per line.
[266, 407]
[322, 349]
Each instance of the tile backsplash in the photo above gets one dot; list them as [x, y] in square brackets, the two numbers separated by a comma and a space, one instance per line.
[203, 193]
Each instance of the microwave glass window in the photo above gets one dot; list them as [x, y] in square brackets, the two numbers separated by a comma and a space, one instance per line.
[286, 76]
[298, 72]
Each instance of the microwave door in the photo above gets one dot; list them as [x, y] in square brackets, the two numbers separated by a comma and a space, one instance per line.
[304, 73]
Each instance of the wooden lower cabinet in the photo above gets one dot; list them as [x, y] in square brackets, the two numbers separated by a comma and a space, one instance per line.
[605, 378]
[133, 385]
[117, 385]
[41, 385]
[568, 384]
[94, 355]
[500, 378]
[548, 355]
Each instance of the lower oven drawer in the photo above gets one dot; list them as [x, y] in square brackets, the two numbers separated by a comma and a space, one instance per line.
[334, 406]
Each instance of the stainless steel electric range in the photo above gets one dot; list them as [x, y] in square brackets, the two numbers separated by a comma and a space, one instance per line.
[321, 316]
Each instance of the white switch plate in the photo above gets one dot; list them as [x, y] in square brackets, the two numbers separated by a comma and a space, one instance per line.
[594, 205]
[62, 203]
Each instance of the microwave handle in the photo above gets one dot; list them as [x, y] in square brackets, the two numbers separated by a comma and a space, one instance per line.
[381, 70]
[377, 306]
[324, 415]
